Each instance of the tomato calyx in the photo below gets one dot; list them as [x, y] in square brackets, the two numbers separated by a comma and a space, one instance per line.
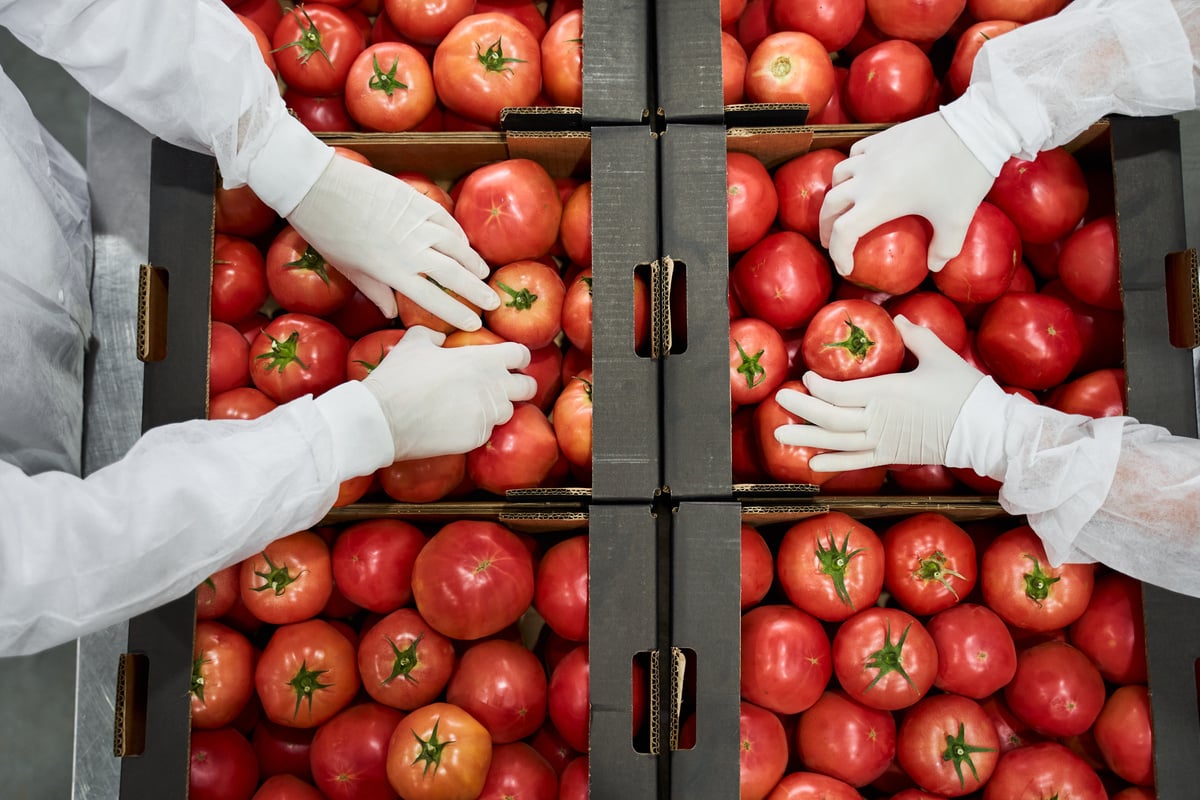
[959, 752]
[493, 59]
[282, 353]
[385, 81]
[588, 281]
[313, 261]
[857, 343]
[750, 369]
[587, 386]
[198, 678]
[1037, 582]
[834, 560]
[431, 749]
[305, 684]
[522, 300]
[404, 661]
[309, 41]
[888, 658]
[276, 578]
[367, 365]
[933, 568]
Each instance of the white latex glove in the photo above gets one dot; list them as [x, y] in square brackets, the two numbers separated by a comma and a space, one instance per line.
[902, 418]
[447, 400]
[917, 167]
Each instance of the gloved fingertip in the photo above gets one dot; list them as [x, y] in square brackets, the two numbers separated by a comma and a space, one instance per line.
[937, 264]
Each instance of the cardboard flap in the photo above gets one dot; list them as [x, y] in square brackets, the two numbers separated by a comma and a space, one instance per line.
[129, 719]
[1183, 298]
[152, 313]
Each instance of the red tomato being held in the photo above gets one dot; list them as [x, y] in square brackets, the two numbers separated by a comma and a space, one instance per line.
[510, 210]
[884, 658]
[531, 303]
[298, 354]
[519, 454]
[487, 62]
[439, 751]
[984, 268]
[831, 566]
[314, 47]
[1029, 340]
[893, 257]
[850, 339]
[785, 463]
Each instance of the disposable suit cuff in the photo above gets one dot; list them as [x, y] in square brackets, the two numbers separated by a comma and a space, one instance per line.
[978, 437]
[981, 129]
[362, 438]
[288, 165]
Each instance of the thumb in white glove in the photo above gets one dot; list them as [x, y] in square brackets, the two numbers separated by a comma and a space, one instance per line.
[900, 418]
[382, 234]
[439, 401]
[919, 167]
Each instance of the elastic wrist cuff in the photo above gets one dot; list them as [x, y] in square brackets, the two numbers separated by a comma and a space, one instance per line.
[977, 439]
[983, 132]
[287, 165]
[362, 438]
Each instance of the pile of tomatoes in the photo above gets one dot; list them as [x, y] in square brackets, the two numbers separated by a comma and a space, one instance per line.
[403, 65]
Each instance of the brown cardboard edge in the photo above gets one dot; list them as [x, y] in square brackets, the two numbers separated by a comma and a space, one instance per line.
[1183, 298]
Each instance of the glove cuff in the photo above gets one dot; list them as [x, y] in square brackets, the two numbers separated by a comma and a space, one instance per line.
[362, 438]
[977, 439]
[985, 133]
[287, 165]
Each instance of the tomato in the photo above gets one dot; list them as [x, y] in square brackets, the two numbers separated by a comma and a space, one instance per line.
[930, 563]
[921, 21]
[884, 658]
[1012, 732]
[785, 463]
[1045, 197]
[783, 280]
[228, 359]
[764, 752]
[282, 750]
[757, 360]
[298, 354]
[890, 82]
[217, 594]
[510, 210]
[833, 24]
[239, 212]
[1029, 340]
[404, 663]
[1096, 394]
[948, 745]
[845, 739]
[368, 352]
[426, 186]
[786, 658]
[306, 674]
[389, 88]
[439, 751]
[930, 479]
[1056, 689]
[1089, 266]
[575, 229]
[985, 267]
[934, 311]
[562, 60]
[850, 339]
[286, 787]
[1020, 585]
[733, 69]
[349, 753]
[239, 281]
[731, 10]
[757, 567]
[577, 311]
[424, 22]
[1046, 769]
[790, 67]
[359, 316]
[561, 588]
[551, 746]
[320, 114]
[1112, 630]
[301, 280]
[265, 13]
[893, 257]
[755, 24]
[373, 563]
[801, 184]
[519, 771]
[567, 698]
[831, 566]
[866, 481]
[531, 308]
[527, 12]
[962, 63]
[222, 675]
[314, 46]
[976, 654]
[1101, 332]
[289, 581]
[473, 579]
[573, 783]
[487, 62]
[519, 455]
[1124, 735]
[503, 686]
[1018, 10]
[222, 766]
[750, 200]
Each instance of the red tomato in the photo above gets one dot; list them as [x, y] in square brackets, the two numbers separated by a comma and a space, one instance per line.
[1046, 769]
[850, 339]
[976, 654]
[790, 67]
[921, 21]
[1018, 10]
[390, 88]
[349, 753]
[813, 786]
[962, 63]
[359, 316]
[833, 24]
[893, 257]
[786, 658]
[306, 674]
[572, 420]
[1124, 735]
[439, 751]
[890, 82]
[503, 686]
[1029, 340]
[785, 463]
[239, 212]
[562, 60]
[473, 579]
[577, 311]
[289, 581]
[1056, 689]
[519, 771]
[1088, 264]
[222, 766]
[286, 787]
[217, 594]
[239, 281]
[985, 267]
[1112, 629]
[561, 588]
[222, 675]
[845, 739]
[527, 12]
[948, 745]
[551, 746]
[931, 479]
[801, 184]
[934, 311]
[373, 563]
[1020, 585]
[314, 47]
[301, 280]
[757, 569]
[831, 566]
[228, 359]
[320, 114]
[750, 200]
[884, 658]
[1096, 394]
[733, 69]
[1045, 197]
[1012, 732]
[567, 701]
[573, 783]
[404, 663]
[487, 62]
[731, 10]
[298, 354]
[755, 24]
[575, 229]
[282, 750]
[510, 210]
[930, 563]
[424, 22]
[368, 352]
[764, 752]
[834, 112]
[757, 360]
[519, 454]
[265, 13]
[531, 308]
[1101, 332]
[423, 480]
[783, 280]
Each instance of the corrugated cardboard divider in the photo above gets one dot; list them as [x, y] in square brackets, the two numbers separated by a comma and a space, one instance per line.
[153, 285]
[1183, 298]
[618, 80]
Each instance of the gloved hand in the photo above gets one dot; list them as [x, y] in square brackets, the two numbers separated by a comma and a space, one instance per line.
[447, 400]
[901, 418]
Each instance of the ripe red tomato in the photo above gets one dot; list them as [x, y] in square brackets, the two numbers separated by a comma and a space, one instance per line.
[519, 771]
[222, 766]
[562, 60]
[1056, 689]
[282, 750]
[373, 563]
[893, 257]
[222, 675]
[1019, 10]
[884, 658]
[801, 184]
[785, 463]
[1020, 585]
[573, 782]
[286, 787]
[750, 200]
[575, 229]
[976, 654]
[306, 674]
[790, 67]
[1029, 340]
[733, 69]
[439, 752]
[368, 352]
[1101, 332]
[567, 700]
[510, 210]
[1045, 197]
[349, 753]
[519, 454]
[320, 114]
[473, 579]
[577, 311]
[301, 280]
[1096, 394]
[833, 24]
[962, 63]
[922, 21]
[783, 280]
[239, 212]
[764, 752]
[314, 47]
[758, 569]
[298, 354]
[831, 566]
[757, 360]
[572, 420]
[930, 563]
[929, 479]
[890, 82]
[1088, 264]
[811, 785]
[561, 588]
[934, 311]
[786, 658]
[1045, 769]
[390, 88]
[217, 594]
[845, 739]
[849, 339]
[487, 62]
[531, 307]
[289, 581]
[754, 24]
[228, 359]
[423, 480]
[404, 663]
[1124, 735]
[948, 745]
[503, 686]
[426, 23]
[985, 267]
[1112, 629]
[239, 281]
